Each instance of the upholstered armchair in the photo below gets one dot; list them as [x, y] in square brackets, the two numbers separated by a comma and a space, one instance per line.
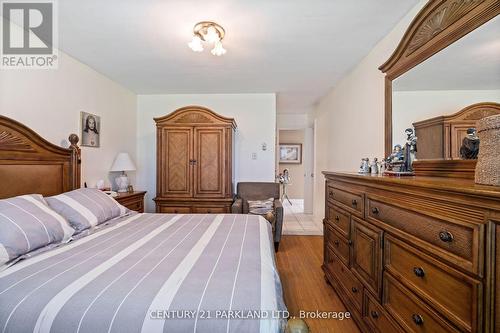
[260, 191]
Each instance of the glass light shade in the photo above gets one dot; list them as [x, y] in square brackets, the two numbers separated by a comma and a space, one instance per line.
[195, 44]
[218, 50]
[212, 36]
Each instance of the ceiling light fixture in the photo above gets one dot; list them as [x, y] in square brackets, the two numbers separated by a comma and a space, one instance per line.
[209, 32]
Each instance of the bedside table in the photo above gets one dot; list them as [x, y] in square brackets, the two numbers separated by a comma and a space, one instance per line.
[133, 201]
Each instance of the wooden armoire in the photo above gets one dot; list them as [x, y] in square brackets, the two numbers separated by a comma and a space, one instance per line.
[194, 161]
[441, 137]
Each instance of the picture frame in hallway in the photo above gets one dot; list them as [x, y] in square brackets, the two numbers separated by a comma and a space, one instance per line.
[291, 153]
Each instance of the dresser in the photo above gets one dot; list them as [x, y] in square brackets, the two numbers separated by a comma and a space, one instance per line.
[133, 201]
[417, 254]
[194, 162]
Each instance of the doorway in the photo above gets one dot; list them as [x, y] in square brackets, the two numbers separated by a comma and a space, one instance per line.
[298, 193]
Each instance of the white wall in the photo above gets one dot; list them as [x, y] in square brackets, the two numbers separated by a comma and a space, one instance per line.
[50, 101]
[350, 119]
[293, 121]
[255, 115]
[411, 106]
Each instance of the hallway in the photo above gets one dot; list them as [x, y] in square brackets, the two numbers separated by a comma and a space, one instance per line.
[295, 222]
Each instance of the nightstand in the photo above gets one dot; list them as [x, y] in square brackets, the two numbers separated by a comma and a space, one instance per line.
[133, 201]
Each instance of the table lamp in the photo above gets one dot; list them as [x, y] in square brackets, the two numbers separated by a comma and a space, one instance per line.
[122, 163]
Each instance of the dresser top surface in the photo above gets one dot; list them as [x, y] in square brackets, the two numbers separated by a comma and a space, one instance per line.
[466, 186]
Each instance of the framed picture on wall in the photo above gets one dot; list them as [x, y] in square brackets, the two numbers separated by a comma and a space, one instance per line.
[291, 153]
[91, 129]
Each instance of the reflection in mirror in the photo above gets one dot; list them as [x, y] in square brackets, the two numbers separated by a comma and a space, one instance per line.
[461, 75]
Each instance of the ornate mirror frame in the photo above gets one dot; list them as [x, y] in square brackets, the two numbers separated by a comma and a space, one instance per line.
[438, 24]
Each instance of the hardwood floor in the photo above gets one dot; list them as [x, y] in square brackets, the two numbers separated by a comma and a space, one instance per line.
[299, 262]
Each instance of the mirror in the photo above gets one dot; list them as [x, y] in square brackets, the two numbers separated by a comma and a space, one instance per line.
[447, 93]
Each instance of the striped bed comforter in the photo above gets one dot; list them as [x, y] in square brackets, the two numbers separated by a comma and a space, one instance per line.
[150, 273]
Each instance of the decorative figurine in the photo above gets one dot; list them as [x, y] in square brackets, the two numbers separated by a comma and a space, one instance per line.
[470, 145]
[409, 150]
[365, 166]
[374, 166]
[397, 154]
[383, 165]
[399, 163]
[284, 179]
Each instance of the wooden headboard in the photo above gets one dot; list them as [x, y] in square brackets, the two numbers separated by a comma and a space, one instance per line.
[31, 164]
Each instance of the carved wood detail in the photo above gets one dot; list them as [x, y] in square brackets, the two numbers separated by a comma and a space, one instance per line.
[193, 118]
[31, 164]
[9, 141]
[439, 20]
[194, 115]
[480, 114]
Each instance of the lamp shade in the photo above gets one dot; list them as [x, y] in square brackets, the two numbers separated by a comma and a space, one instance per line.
[123, 162]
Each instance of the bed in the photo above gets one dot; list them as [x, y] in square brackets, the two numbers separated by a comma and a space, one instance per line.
[138, 272]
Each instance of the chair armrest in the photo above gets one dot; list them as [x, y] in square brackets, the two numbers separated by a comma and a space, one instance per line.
[278, 205]
[237, 206]
[278, 209]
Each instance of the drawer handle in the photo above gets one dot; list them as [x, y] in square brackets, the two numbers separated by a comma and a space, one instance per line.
[375, 210]
[337, 218]
[354, 289]
[175, 211]
[349, 242]
[330, 194]
[417, 319]
[336, 243]
[419, 271]
[446, 236]
[374, 314]
[354, 202]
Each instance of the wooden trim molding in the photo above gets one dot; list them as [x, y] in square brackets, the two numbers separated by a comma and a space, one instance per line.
[439, 24]
[445, 168]
[193, 114]
[476, 111]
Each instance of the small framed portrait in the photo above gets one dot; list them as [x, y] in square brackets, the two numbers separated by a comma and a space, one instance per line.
[291, 153]
[91, 129]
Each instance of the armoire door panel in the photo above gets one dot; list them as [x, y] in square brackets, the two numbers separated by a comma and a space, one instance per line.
[209, 166]
[177, 173]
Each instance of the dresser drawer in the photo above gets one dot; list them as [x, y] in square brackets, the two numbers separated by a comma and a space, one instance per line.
[175, 210]
[209, 210]
[352, 202]
[452, 293]
[135, 205]
[457, 243]
[340, 220]
[338, 244]
[409, 311]
[133, 201]
[375, 314]
[351, 285]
